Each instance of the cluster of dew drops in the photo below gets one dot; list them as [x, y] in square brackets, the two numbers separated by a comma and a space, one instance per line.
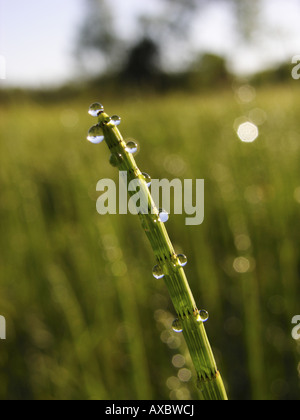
[96, 136]
[201, 316]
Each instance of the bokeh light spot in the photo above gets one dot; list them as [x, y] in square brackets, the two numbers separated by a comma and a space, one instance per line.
[248, 132]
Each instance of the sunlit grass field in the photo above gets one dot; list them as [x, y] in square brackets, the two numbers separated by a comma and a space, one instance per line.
[85, 317]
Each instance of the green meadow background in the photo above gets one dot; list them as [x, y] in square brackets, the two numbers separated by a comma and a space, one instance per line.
[85, 317]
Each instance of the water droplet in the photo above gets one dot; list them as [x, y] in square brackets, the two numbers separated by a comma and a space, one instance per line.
[202, 316]
[176, 326]
[147, 179]
[115, 160]
[96, 109]
[163, 216]
[131, 147]
[95, 134]
[182, 260]
[158, 272]
[115, 120]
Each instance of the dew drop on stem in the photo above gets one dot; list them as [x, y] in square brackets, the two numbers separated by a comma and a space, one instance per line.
[202, 316]
[96, 109]
[157, 272]
[176, 326]
[95, 134]
[131, 147]
[182, 260]
[147, 178]
[115, 120]
[163, 216]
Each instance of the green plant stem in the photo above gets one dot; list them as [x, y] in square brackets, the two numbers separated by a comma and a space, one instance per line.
[209, 380]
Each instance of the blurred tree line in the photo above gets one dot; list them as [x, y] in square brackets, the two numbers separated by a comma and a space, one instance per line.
[144, 58]
[108, 58]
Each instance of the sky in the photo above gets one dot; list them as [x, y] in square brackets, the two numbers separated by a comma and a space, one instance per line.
[37, 38]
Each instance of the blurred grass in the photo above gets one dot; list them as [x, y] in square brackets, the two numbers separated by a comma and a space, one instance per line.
[85, 318]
